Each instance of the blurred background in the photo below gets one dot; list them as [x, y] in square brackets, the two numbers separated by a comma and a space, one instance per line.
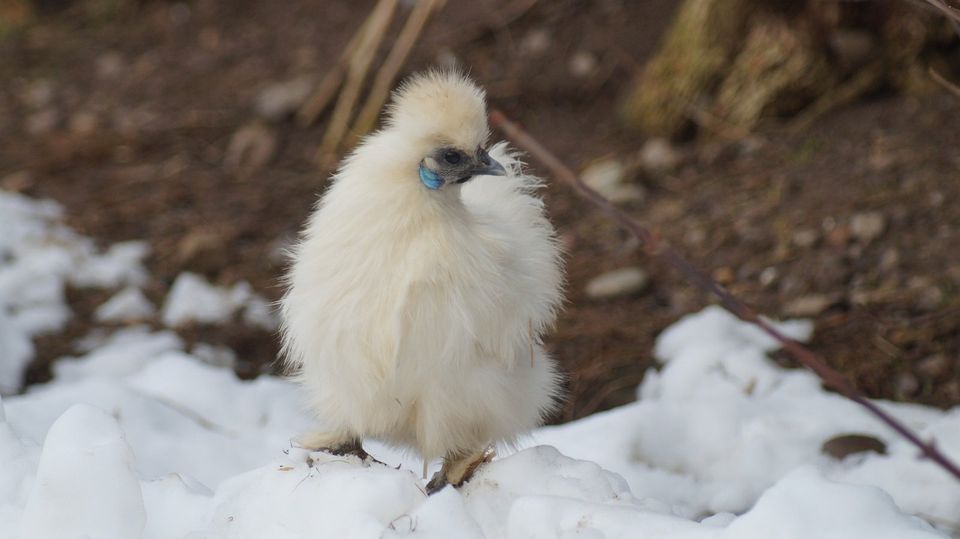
[804, 153]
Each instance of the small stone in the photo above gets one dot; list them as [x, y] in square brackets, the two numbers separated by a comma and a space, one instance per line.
[695, 236]
[618, 283]
[951, 390]
[810, 305]
[840, 447]
[37, 94]
[805, 237]
[83, 123]
[867, 226]
[536, 42]
[839, 236]
[277, 101]
[42, 122]
[603, 173]
[768, 276]
[906, 385]
[889, 260]
[933, 366]
[582, 64]
[109, 65]
[724, 275]
[658, 155]
[607, 176]
[17, 181]
[251, 147]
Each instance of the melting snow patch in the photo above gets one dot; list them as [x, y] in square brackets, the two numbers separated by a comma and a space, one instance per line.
[193, 299]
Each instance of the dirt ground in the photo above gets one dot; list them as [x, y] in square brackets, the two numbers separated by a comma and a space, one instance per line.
[126, 119]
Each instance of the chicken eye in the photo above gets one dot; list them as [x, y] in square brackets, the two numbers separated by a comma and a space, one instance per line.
[452, 157]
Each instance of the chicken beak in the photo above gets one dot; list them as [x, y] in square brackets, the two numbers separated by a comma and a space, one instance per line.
[487, 166]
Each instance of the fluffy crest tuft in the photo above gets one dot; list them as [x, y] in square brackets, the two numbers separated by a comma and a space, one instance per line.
[444, 106]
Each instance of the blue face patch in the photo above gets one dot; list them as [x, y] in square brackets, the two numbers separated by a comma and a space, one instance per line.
[430, 178]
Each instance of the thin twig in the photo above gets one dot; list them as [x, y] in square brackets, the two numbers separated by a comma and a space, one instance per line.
[951, 87]
[656, 246]
[360, 60]
[391, 66]
[950, 11]
[862, 81]
[323, 95]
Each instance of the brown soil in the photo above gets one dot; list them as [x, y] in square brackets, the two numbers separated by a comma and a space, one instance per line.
[145, 101]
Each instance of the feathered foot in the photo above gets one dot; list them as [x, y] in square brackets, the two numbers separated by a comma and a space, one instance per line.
[459, 468]
[335, 444]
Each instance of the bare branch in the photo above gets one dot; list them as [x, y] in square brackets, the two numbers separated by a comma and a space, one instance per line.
[951, 87]
[656, 246]
[391, 66]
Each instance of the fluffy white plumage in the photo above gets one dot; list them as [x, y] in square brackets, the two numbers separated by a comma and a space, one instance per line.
[413, 314]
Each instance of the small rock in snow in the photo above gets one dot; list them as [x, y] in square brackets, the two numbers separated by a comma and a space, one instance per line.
[618, 283]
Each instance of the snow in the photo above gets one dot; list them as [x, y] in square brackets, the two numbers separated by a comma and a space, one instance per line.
[137, 436]
[193, 299]
[127, 305]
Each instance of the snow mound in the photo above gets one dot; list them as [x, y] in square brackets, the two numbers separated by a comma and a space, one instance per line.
[193, 299]
[164, 445]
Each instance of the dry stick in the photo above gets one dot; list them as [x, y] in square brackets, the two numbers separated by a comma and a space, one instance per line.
[941, 6]
[951, 87]
[321, 98]
[657, 247]
[391, 66]
[360, 60]
[841, 95]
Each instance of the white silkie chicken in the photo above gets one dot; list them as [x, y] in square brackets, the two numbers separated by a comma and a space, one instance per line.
[421, 286]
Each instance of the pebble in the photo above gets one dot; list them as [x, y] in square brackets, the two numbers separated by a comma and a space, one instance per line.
[906, 385]
[536, 42]
[810, 305]
[805, 237]
[724, 275]
[618, 283]
[17, 181]
[251, 147]
[933, 366]
[607, 177]
[889, 260]
[45, 121]
[658, 155]
[582, 64]
[37, 94]
[279, 100]
[867, 226]
[768, 276]
[109, 65]
[83, 123]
